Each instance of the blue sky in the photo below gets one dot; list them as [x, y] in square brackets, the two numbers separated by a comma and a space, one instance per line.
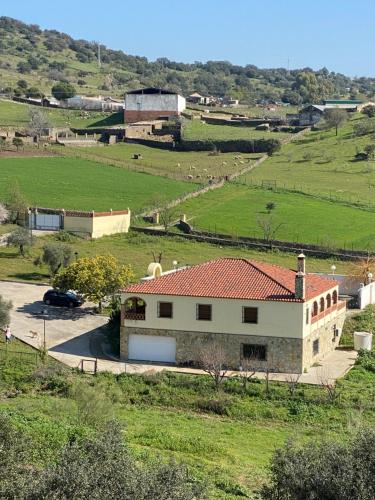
[338, 34]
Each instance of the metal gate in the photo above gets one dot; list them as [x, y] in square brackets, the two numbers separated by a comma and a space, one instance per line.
[51, 222]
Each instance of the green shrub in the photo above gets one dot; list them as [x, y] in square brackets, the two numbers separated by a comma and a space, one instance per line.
[217, 406]
[366, 359]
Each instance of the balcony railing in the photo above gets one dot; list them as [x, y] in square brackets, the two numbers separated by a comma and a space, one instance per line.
[135, 316]
[335, 307]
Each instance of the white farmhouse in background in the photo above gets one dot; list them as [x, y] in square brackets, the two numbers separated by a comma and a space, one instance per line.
[152, 104]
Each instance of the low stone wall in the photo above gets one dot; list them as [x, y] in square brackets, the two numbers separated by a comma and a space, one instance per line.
[283, 354]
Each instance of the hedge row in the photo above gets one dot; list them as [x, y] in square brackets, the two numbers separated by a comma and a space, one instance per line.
[232, 146]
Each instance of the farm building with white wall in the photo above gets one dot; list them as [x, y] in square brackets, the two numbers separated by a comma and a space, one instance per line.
[152, 104]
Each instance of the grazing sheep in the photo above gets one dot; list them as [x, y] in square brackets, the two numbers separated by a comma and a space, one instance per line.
[189, 176]
[205, 170]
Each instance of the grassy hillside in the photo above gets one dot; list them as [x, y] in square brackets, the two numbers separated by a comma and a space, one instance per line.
[163, 162]
[197, 130]
[14, 114]
[235, 210]
[42, 57]
[323, 164]
[137, 250]
[85, 185]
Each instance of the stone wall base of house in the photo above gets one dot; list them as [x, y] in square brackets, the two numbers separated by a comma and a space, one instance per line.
[283, 354]
[328, 341]
[144, 116]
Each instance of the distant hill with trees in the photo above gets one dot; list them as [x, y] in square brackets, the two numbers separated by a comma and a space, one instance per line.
[34, 60]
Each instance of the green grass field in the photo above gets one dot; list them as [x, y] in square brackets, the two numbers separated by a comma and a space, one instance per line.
[84, 185]
[322, 163]
[172, 164]
[137, 249]
[197, 130]
[235, 209]
[14, 114]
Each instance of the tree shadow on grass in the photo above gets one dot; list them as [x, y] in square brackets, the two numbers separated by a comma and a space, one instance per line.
[7, 255]
[113, 119]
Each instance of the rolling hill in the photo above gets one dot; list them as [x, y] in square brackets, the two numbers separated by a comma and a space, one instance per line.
[43, 57]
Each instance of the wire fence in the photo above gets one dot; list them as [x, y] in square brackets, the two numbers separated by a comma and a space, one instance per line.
[10, 355]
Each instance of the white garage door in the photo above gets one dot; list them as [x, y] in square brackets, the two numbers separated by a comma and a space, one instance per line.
[151, 348]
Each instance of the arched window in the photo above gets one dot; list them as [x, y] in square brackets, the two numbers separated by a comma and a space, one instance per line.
[135, 308]
[314, 311]
[334, 297]
[328, 300]
[322, 304]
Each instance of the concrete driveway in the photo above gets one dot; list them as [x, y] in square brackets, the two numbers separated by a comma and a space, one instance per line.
[71, 334]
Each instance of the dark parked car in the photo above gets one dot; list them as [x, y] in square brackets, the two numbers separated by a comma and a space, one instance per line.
[57, 298]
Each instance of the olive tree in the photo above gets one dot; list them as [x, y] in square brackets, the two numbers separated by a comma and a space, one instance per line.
[335, 118]
[20, 238]
[325, 470]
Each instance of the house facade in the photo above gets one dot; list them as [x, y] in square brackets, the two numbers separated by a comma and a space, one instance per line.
[271, 317]
[152, 104]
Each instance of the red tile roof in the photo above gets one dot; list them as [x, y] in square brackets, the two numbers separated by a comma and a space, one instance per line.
[232, 278]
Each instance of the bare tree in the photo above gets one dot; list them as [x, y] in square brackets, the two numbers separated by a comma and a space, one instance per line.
[361, 269]
[38, 123]
[157, 258]
[328, 383]
[247, 372]
[167, 216]
[292, 380]
[213, 361]
[4, 214]
[267, 377]
[269, 227]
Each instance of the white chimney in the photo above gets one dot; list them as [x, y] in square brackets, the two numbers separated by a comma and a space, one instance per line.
[300, 280]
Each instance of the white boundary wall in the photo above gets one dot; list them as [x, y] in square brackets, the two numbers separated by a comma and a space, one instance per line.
[366, 295]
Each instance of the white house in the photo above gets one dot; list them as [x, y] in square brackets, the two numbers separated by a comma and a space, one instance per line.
[152, 104]
[270, 316]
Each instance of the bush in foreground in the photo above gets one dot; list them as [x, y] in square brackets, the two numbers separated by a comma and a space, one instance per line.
[100, 467]
[325, 471]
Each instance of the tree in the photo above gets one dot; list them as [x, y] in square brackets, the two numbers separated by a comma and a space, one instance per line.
[369, 110]
[362, 268]
[213, 361]
[22, 84]
[15, 203]
[335, 118]
[5, 308]
[20, 238]
[370, 151]
[38, 122]
[95, 278]
[325, 470]
[18, 142]
[269, 227]
[167, 216]
[34, 92]
[98, 466]
[270, 206]
[4, 214]
[57, 256]
[63, 90]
